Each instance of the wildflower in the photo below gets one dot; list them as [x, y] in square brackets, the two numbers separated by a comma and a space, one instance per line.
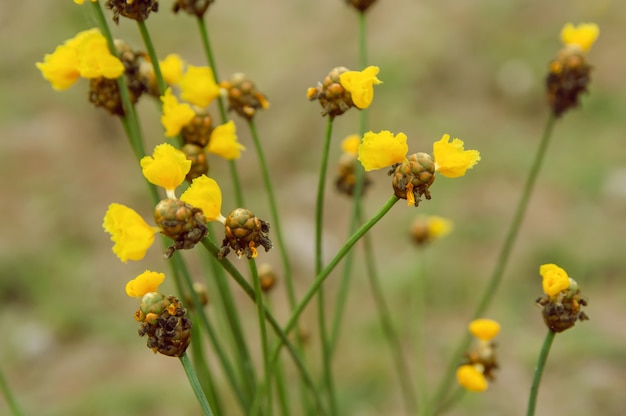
[166, 167]
[561, 305]
[428, 228]
[361, 85]
[484, 329]
[198, 86]
[334, 98]
[244, 232]
[351, 144]
[481, 360]
[223, 142]
[451, 160]
[175, 115]
[138, 10]
[205, 193]
[471, 378]
[243, 96]
[130, 233]
[379, 150]
[582, 36]
[146, 282]
[180, 221]
[172, 68]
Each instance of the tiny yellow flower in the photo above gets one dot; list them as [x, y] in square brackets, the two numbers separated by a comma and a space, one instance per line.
[484, 329]
[198, 86]
[130, 233]
[451, 160]
[175, 115]
[205, 193]
[555, 279]
[583, 36]
[351, 144]
[471, 378]
[166, 167]
[82, 1]
[379, 150]
[146, 282]
[172, 68]
[223, 142]
[438, 227]
[360, 84]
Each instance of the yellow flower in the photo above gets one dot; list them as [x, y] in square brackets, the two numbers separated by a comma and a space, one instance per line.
[484, 329]
[471, 378]
[146, 282]
[438, 226]
[205, 193]
[172, 68]
[60, 68]
[351, 144]
[130, 233]
[361, 85]
[555, 279]
[175, 115]
[166, 167]
[582, 36]
[379, 150]
[451, 160]
[223, 142]
[82, 1]
[198, 86]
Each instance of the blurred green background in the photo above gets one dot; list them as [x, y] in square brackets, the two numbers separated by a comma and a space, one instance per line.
[472, 69]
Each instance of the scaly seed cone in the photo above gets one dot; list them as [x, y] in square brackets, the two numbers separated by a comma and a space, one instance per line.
[198, 130]
[137, 9]
[333, 97]
[243, 233]
[243, 96]
[567, 78]
[412, 178]
[199, 162]
[181, 222]
[166, 325]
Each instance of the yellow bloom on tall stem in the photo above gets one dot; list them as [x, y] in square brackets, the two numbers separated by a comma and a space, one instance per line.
[205, 193]
[198, 86]
[484, 329]
[130, 233]
[146, 282]
[379, 150]
[360, 84]
[172, 69]
[451, 159]
[582, 36]
[555, 279]
[223, 142]
[176, 115]
[471, 378]
[167, 167]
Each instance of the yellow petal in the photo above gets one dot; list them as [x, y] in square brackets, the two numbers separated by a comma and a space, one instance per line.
[223, 142]
[146, 282]
[175, 115]
[484, 329]
[583, 36]
[130, 233]
[198, 86]
[172, 68]
[451, 159]
[471, 378]
[204, 193]
[60, 68]
[555, 279]
[167, 167]
[351, 144]
[379, 150]
[360, 84]
[438, 226]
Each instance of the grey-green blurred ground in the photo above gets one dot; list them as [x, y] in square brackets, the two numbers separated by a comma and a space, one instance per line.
[471, 69]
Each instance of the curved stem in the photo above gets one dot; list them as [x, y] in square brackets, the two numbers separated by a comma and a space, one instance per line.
[503, 258]
[195, 385]
[8, 396]
[541, 363]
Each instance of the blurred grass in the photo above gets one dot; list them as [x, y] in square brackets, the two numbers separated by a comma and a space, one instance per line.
[473, 70]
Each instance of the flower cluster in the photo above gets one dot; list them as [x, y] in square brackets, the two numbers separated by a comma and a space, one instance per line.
[475, 374]
[427, 228]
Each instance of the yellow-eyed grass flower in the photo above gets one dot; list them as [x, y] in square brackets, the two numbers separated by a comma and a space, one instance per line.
[130, 233]
[244, 232]
[427, 228]
[471, 378]
[167, 167]
[138, 10]
[176, 115]
[243, 96]
[451, 159]
[193, 7]
[345, 181]
[569, 73]
[562, 303]
[205, 193]
[162, 319]
[223, 142]
[360, 85]
[481, 361]
[379, 150]
[198, 86]
[172, 68]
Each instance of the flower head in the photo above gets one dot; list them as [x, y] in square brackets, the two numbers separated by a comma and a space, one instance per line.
[198, 86]
[425, 229]
[484, 329]
[379, 150]
[360, 84]
[451, 159]
[130, 233]
[205, 193]
[351, 144]
[172, 68]
[555, 279]
[223, 142]
[166, 167]
[176, 115]
[582, 36]
[146, 282]
[471, 378]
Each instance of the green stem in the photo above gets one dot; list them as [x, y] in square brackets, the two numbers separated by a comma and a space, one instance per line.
[362, 33]
[8, 396]
[541, 363]
[503, 258]
[204, 374]
[147, 40]
[258, 294]
[206, 44]
[195, 385]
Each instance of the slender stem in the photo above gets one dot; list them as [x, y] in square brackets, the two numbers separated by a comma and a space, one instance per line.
[319, 204]
[147, 40]
[454, 397]
[418, 295]
[195, 385]
[503, 258]
[8, 396]
[362, 40]
[541, 363]
[393, 339]
[258, 294]
[204, 374]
